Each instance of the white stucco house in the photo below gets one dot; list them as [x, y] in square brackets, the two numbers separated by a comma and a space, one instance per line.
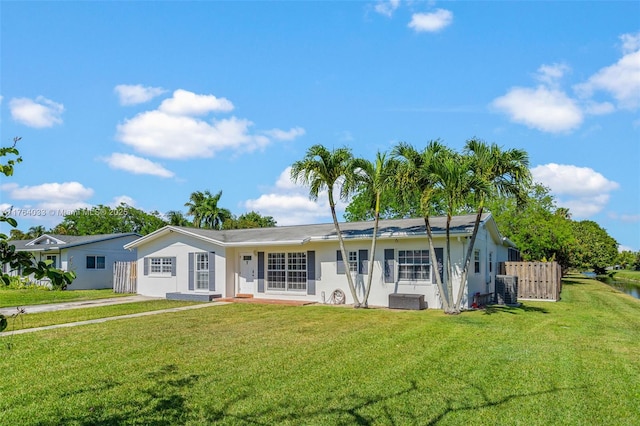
[91, 257]
[304, 262]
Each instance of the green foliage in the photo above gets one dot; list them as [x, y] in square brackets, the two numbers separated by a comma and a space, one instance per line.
[628, 259]
[540, 230]
[595, 249]
[576, 364]
[203, 206]
[249, 220]
[24, 262]
[107, 220]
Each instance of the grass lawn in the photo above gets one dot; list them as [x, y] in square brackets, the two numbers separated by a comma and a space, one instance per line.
[626, 275]
[11, 297]
[62, 317]
[576, 361]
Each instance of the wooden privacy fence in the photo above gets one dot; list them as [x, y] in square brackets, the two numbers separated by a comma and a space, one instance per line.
[125, 277]
[536, 280]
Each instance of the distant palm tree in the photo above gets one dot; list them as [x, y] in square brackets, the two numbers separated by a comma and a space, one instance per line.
[36, 231]
[375, 178]
[177, 218]
[321, 169]
[203, 206]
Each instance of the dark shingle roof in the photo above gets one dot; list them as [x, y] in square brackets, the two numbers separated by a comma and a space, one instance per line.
[66, 241]
[392, 228]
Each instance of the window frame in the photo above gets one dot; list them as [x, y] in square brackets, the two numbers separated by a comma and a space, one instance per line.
[164, 263]
[286, 272]
[412, 265]
[96, 264]
[476, 261]
[201, 271]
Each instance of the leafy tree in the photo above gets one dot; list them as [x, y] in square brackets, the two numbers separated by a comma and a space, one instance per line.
[374, 179]
[392, 206]
[107, 220]
[24, 262]
[541, 230]
[250, 220]
[16, 234]
[203, 206]
[626, 259]
[321, 169]
[595, 249]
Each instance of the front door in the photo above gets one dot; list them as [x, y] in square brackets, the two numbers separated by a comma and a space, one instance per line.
[247, 273]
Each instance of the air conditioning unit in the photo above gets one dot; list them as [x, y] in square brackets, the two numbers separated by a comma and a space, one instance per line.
[506, 289]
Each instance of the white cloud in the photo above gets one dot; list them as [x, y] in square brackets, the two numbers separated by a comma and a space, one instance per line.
[172, 131]
[289, 204]
[630, 42]
[38, 113]
[136, 94]
[582, 190]
[550, 75]
[598, 108]
[188, 103]
[136, 165]
[621, 80]
[387, 7]
[122, 199]
[49, 192]
[285, 135]
[542, 108]
[431, 22]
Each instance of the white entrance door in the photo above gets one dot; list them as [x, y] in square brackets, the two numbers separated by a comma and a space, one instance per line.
[247, 273]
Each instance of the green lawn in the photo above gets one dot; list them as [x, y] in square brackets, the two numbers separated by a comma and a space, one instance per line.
[73, 315]
[626, 275]
[574, 362]
[11, 297]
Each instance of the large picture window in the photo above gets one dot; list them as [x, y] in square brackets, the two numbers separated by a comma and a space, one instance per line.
[160, 265]
[287, 271]
[413, 265]
[95, 262]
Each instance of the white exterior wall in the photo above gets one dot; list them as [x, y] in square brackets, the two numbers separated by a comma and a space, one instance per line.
[178, 246]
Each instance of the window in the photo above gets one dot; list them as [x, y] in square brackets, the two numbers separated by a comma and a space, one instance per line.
[202, 271]
[413, 265]
[353, 261]
[490, 262]
[53, 260]
[476, 261]
[95, 262]
[287, 271]
[160, 265]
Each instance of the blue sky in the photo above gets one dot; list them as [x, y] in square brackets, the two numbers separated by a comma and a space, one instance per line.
[146, 102]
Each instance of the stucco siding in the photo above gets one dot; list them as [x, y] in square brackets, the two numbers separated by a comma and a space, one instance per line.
[178, 247]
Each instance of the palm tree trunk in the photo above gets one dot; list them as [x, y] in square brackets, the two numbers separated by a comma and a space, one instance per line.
[467, 260]
[372, 257]
[345, 258]
[449, 271]
[432, 255]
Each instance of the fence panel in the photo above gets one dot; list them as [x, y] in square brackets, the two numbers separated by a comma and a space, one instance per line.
[125, 277]
[536, 280]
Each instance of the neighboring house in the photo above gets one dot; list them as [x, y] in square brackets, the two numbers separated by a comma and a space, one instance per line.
[91, 257]
[304, 262]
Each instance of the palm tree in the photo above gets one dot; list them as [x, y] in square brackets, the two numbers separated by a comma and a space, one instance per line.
[195, 203]
[374, 179]
[321, 169]
[416, 174]
[494, 173]
[203, 206]
[177, 218]
[36, 231]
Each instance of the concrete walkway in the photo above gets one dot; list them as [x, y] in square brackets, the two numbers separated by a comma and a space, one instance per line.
[93, 303]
